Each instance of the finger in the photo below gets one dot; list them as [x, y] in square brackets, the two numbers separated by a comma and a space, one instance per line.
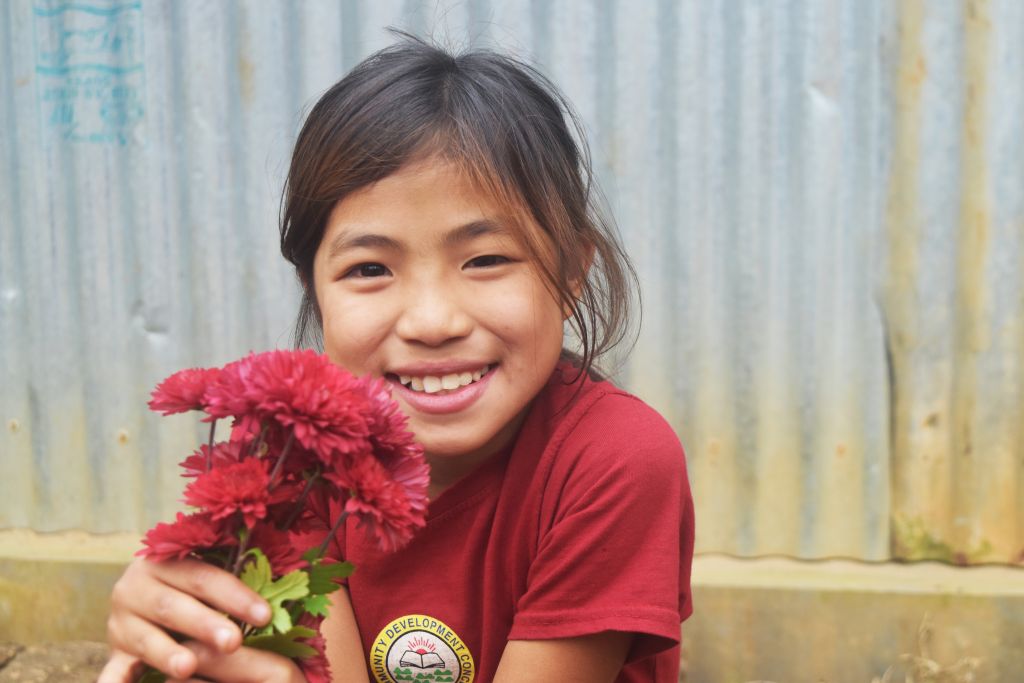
[141, 639]
[244, 665]
[215, 587]
[120, 668]
[182, 613]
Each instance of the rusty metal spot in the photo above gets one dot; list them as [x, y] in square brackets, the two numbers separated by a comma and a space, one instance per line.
[13, 425]
[122, 436]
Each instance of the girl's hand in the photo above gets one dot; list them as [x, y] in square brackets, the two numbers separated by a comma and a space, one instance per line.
[244, 665]
[187, 597]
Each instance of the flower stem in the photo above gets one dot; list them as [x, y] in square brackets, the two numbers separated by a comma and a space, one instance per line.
[243, 545]
[301, 502]
[280, 461]
[257, 443]
[337, 525]
[209, 452]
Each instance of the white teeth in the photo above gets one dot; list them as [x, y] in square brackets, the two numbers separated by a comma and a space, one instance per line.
[432, 384]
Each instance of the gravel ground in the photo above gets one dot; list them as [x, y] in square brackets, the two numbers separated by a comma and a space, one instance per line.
[70, 662]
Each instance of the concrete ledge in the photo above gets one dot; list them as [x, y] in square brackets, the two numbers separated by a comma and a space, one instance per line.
[837, 621]
[56, 587]
[768, 619]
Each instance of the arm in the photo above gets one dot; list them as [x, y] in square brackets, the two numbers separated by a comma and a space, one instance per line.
[342, 635]
[594, 658]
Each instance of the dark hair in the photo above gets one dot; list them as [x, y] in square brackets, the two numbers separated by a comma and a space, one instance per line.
[503, 122]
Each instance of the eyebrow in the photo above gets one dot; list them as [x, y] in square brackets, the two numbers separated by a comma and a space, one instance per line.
[459, 235]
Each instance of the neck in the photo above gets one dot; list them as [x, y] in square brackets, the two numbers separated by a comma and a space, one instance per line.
[446, 469]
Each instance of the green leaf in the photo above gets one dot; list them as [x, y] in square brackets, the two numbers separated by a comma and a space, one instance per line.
[292, 586]
[316, 604]
[256, 575]
[321, 576]
[284, 643]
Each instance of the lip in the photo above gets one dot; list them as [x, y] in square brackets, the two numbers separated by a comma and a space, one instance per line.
[451, 401]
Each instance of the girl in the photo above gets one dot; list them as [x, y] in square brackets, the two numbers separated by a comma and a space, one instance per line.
[438, 213]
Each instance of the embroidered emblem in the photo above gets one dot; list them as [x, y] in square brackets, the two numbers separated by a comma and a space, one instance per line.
[420, 649]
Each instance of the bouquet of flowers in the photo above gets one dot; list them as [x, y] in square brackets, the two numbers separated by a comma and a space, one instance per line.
[310, 445]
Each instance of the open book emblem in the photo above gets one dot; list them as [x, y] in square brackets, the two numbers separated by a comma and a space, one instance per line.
[420, 649]
[422, 660]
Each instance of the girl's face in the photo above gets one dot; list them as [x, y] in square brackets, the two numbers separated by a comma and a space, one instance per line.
[419, 280]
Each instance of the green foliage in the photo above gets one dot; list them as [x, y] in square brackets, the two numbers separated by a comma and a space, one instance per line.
[286, 644]
[316, 605]
[292, 586]
[322, 576]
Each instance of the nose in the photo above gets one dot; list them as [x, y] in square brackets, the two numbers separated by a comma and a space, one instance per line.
[433, 316]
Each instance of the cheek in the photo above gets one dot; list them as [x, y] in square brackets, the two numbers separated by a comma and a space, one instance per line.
[529, 317]
[352, 333]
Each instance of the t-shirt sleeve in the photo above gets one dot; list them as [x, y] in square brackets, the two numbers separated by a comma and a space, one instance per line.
[616, 533]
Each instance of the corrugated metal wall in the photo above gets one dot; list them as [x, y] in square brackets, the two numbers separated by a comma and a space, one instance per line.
[824, 199]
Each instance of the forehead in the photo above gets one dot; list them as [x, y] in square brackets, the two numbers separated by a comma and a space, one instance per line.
[429, 196]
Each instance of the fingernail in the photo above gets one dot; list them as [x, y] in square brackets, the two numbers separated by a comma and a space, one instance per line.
[260, 612]
[180, 664]
[224, 637]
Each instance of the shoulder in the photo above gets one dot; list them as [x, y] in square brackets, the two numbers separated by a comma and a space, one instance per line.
[619, 427]
[613, 438]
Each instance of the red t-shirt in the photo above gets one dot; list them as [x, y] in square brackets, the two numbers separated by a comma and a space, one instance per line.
[584, 525]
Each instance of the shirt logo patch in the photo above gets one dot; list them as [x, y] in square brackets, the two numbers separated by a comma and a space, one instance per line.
[420, 649]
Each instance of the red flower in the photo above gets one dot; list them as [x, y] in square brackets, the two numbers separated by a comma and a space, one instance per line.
[279, 547]
[381, 504]
[321, 403]
[395, 448]
[242, 487]
[186, 535]
[229, 395]
[323, 506]
[182, 391]
[224, 453]
[315, 668]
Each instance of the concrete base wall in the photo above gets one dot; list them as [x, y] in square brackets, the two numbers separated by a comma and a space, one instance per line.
[766, 619]
[837, 621]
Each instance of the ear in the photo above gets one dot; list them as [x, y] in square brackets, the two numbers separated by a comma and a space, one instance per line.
[576, 283]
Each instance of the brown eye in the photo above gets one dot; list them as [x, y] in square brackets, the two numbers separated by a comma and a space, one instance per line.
[487, 261]
[367, 270]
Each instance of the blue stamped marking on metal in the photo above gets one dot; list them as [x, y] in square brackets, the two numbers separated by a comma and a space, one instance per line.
[89, 69]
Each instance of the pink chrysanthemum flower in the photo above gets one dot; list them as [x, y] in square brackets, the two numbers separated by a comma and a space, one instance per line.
[279, 547]
[229, 395]
[382, 504]
[186, 535]
[183, 391]
[242, 487]
[315, 668]
[323, 405]
[223, 453]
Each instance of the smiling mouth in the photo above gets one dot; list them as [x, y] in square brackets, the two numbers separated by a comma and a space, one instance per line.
[441, 384]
